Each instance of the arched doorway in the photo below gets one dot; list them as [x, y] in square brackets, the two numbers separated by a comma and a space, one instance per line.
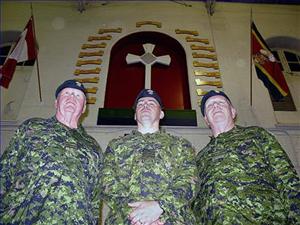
[125, 81]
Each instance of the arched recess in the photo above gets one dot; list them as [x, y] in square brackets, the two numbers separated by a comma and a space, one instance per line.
[125, 81]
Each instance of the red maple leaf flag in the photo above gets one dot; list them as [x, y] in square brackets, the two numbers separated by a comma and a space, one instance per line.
[24, 50]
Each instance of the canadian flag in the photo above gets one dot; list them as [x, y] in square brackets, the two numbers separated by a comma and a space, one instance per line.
[25, 49]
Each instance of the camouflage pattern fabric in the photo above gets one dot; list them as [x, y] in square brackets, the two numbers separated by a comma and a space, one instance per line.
[245, 177]
[154, 166]
[50, 174]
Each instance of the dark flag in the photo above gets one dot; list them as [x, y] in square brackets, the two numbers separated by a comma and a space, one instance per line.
[24, 50]
[267, 69]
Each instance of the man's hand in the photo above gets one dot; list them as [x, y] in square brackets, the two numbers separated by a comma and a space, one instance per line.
[145, 212]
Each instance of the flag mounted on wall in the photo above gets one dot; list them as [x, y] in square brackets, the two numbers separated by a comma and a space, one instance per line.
[24, 50]
[267, 69]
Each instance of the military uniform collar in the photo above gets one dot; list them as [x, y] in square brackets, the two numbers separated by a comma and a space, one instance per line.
[160, 131]
[61, 125]
[235, 129]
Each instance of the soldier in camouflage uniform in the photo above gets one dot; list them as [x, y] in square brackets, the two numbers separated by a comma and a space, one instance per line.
[149, 175]
[51, 170]
[245, 177]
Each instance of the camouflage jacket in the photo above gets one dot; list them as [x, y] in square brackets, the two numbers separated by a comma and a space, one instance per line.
[50, 174]
[156, 166]
[245, 177]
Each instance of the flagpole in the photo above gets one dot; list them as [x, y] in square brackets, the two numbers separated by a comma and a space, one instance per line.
[210, 12]
[251, 56]
[37, 58]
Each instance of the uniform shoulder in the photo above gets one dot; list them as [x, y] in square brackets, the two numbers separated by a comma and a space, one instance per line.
[255, 132]
[251, 129]
[254, 128]
[121, 139]
[180, 140]
[91, 139]
[32, 122]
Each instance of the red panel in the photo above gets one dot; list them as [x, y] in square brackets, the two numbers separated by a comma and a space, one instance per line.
[125, 81]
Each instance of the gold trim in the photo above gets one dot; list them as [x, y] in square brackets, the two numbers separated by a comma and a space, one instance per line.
[205, 56]
[109, 30]
[199, 47]
[88, 80]
[208, 83]
[91, 100]
[201, 92]
[87, 54]
[201, 40]
[92, 90]
[97, 38]
[207, 74]
[85, 46]
[207, 65]
[86, 62]
[148, 22]
[190, 32]
[91, 71]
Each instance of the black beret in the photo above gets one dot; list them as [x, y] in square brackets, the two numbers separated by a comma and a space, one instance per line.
[148, 93]
[70, 84]
[208, 95]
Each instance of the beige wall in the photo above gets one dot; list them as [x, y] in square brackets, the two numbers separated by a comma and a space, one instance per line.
[61, 30]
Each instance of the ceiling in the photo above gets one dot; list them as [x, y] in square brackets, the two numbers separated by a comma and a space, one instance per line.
[210, 4]
[258, 1]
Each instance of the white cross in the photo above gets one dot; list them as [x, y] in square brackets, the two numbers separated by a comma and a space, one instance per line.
[148, 59]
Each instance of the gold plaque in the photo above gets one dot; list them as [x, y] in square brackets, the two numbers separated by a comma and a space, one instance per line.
[88, 80]
[91, 71]
[208, 83]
